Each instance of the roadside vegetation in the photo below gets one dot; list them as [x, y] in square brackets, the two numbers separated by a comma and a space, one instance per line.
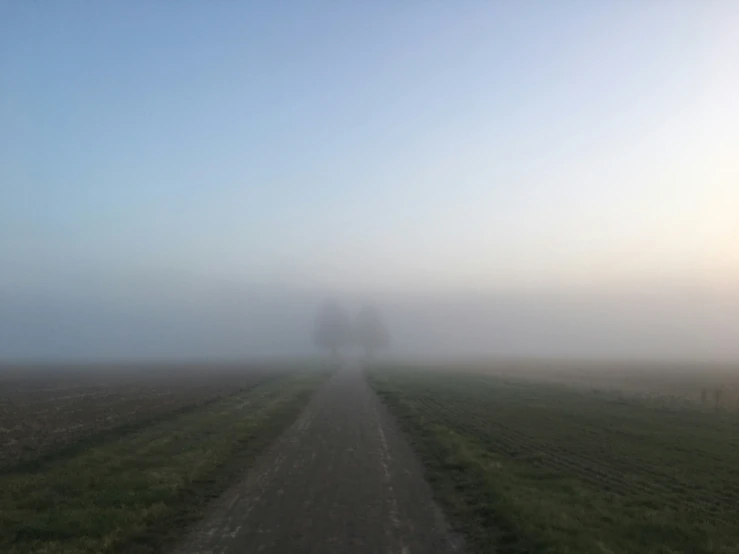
[133, 492]
[538, 467]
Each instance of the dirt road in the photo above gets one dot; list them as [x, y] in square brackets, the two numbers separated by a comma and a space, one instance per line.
[342, 479]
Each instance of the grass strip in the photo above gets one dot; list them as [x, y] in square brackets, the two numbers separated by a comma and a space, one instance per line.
[134, 494]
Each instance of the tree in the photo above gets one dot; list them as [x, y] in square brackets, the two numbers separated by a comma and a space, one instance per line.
[370, 331]
[332, 328]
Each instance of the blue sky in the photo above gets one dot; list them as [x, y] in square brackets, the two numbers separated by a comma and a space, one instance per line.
[376, 145]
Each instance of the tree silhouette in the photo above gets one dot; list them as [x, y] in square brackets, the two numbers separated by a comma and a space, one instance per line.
[332, 329]
[370, 331]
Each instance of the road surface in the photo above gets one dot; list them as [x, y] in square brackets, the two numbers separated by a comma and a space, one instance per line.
[342, 479]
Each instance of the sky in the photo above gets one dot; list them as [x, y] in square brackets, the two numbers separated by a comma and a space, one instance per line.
[194, 176]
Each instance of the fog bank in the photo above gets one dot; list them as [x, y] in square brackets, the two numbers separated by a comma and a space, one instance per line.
[250, 322]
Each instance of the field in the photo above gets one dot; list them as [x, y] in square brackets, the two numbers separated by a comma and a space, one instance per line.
[706, 386]
[43, 410]
[568, 460]
[118, 461]
[525, 465]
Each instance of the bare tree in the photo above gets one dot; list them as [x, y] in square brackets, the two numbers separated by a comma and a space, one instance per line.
[332, 329]
[370, 331]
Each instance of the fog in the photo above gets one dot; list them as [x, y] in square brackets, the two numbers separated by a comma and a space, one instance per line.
[496, 179]
[266, 321]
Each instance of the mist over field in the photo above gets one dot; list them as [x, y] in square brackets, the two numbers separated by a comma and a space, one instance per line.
[234, 323]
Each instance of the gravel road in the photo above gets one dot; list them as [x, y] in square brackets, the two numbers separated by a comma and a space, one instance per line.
[342, 479]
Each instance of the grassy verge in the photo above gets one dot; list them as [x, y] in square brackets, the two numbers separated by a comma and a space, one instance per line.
[134, 493]
[523, 467]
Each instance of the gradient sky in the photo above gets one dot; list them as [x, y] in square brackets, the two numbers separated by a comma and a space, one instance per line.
[412, 145]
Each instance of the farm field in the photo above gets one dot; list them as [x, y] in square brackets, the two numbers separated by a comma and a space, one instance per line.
[129, 487]
[527, 466]
[707, 386]
[43, 410]
[666, 384]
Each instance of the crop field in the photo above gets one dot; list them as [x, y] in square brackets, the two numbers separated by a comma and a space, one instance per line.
[45, 409]
[117, 461]
[526, 466]
[706, 386]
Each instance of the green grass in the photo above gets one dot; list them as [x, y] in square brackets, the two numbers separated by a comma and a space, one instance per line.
[133, 493]
[525, 467]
